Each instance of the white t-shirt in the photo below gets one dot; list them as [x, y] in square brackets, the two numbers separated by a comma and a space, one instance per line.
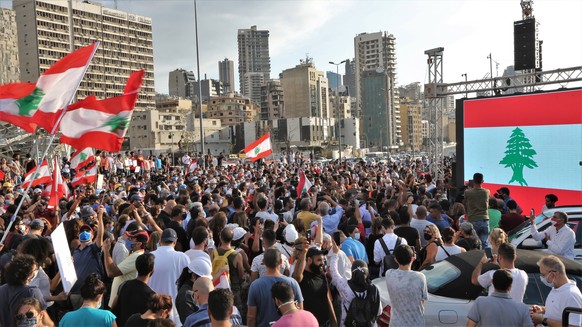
[195, 254]
[518, 286]
[451, 249]
[259, 266]
[568, 295]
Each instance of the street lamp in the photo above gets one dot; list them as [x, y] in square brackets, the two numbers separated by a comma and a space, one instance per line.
[466, 93]
[339, 138]
[172, 148]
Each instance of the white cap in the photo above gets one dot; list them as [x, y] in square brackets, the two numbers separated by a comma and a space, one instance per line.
[201, 267]
[290, 233]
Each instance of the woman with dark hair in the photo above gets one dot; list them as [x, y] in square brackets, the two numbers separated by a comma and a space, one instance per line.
[159, 307]
[359, 285]
[448, 248]
[18, 274]
[89, 314]
[427, 254]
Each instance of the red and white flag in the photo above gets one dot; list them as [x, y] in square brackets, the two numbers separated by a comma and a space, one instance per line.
[260, 148]
[37, 177]
[86, 176]
[58, 188]
[304, 184]
[101, 124]
[82, 158]
[222, 281]
[15, 99]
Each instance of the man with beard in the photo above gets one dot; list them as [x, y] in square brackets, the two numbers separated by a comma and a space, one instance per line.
[314, 287]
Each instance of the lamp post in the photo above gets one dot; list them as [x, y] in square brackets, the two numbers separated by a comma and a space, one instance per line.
[466, 93]
[172, 148]
[339, 137]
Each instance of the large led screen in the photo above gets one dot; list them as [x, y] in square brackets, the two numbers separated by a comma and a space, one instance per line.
[531, 144]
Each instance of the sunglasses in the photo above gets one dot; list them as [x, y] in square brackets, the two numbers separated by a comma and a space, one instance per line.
[28, 315]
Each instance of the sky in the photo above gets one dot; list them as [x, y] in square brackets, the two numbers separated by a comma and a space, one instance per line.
[324, 30]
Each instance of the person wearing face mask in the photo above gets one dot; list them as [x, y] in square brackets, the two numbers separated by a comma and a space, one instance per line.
[178, 215]
[89, 314]
[291, 315]
[427, 255]
[18, 274]
[560, 238]
[126, 269]
[30, 314]
[564, 293]
[352, 246]
[202, 287]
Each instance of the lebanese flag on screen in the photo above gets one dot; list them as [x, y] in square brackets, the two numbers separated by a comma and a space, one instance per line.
[101, 124]
[260, 148]
[82, 158]
[304, 184]
[530, 144]
[42, 175]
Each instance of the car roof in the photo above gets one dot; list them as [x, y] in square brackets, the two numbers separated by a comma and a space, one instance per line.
[462, 288]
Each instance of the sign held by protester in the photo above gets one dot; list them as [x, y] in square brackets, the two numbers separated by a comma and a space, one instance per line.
[64, 259]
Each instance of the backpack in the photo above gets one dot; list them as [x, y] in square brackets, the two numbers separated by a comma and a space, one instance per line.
[221, 260]
[389, 260]
[361, 312]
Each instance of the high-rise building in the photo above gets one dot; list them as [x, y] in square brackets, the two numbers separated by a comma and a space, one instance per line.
[9, 71]
[251, 88]
[181, 84]
[253, 54]
[209, 87]
[126, 44]
[226, 75]
[375, 58]
[306, 91]
[334, 80]
[410, 113]
[272, 103]
[350, 77]
[380, 121]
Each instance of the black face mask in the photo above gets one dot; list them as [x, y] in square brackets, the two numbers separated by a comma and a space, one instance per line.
[427, 236]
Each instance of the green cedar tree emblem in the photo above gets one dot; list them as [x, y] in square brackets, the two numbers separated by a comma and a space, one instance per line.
[257, 150]
[518, 154]
[83, 156]
[29, 102]
[118, 125]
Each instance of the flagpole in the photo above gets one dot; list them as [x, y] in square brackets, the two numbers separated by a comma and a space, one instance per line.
[53, 132]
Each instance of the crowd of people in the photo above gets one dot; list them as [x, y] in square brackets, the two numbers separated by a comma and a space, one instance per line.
[202, 242]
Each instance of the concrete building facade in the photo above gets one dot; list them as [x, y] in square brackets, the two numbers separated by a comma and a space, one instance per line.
[411, 116]
[306, 91]
[126, 45]
[345, 108]
[350, 77]
[231, 109]
[180, 83]
[253, 54]
[10, 69]
[272, 100]
[209, 88]
[226, 75]
[252, 83]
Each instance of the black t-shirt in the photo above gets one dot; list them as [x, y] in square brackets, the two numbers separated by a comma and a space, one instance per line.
[314, 290]
[133, 297]
[410, 234]
[135, 321]
[182, 243]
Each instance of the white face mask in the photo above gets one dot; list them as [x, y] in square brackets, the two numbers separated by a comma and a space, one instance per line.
[546, 282]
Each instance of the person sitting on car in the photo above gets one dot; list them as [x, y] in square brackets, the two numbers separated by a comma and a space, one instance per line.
[560, 238]
[550, 203]
[505, 258]
[564, 294]
[499, 309]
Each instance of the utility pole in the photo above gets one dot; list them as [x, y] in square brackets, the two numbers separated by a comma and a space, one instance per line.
[337, 108]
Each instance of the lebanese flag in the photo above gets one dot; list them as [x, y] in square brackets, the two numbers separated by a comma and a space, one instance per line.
[304, 184]
[222, 281]
[101, 124]
[37, 176]
[1, 175]
[82, 158]
[86, 176]
[14, 98]
[58, 188]
[530, 143]
[260, 148]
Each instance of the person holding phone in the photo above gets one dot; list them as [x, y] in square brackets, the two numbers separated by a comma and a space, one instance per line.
[505, 259]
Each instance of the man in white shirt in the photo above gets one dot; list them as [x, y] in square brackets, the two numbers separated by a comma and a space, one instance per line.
[559, 238]
[506, 258]
[564, 294]
[390, 239]
[168, 265]
[200, 239]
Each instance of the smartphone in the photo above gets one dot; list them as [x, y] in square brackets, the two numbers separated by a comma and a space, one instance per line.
[308, 234]
[488, 253]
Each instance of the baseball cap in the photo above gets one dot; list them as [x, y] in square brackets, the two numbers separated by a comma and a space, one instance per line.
[201, 267]
[86, 228]
[37, 224]
[140, 236]
[37, 190]
[169, 235]
[290, 233]
[135, 197]
[314, 251]
[87, 211]
[238, 233]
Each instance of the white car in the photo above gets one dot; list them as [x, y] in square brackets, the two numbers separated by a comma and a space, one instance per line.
[521, 235]
[451, 293]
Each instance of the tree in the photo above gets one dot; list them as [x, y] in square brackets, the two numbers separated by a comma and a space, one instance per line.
[518, 154]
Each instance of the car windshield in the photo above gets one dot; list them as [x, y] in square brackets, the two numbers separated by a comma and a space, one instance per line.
[525, 226]
[440, 274]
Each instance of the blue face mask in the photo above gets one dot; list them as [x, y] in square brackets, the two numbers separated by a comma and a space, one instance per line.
[85, 236]
[128, 245]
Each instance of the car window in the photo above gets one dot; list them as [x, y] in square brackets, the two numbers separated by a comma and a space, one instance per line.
[525, 226]
[536, 292]
[440, 274]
